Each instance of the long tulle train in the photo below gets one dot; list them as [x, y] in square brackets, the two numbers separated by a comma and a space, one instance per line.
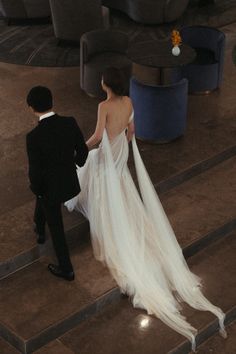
[133, 236]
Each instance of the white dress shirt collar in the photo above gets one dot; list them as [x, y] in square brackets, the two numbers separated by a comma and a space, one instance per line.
[46, 115]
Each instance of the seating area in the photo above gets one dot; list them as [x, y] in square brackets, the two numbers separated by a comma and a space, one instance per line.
[205, 74]
[159, 75]
[157, 79]
[153, 80]
[23, 9]
[150, 11]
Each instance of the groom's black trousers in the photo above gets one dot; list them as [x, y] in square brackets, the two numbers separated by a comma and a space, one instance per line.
[51, 213]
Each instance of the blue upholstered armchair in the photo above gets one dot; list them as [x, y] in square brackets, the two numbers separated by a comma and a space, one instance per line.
[159, 111]
[205, 73]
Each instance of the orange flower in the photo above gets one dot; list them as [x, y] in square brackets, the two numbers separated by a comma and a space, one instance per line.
[175, 37]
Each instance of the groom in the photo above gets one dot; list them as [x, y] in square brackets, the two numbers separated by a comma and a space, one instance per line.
[54, 147]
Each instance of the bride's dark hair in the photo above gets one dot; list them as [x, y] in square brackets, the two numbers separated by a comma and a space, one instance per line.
[114, 78]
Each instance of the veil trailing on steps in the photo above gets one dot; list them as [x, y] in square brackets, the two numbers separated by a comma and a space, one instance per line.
[134, 238]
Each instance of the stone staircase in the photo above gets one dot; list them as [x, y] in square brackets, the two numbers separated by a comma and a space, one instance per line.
[195, 178]
[216, 344]
[122, 329]
[37, 309]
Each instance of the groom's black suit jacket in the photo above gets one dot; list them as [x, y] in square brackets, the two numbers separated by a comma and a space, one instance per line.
[54, 147]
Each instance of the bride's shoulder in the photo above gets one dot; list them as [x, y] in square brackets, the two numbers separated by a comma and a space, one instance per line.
[103, 106]
[128, 101]
[102, 103]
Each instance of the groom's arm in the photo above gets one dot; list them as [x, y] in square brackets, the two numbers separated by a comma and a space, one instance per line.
[35, 168]
[81, 149]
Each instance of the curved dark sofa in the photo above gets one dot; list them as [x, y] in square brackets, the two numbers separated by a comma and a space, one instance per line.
[159, 111]
[100, 49]
[23, 9]
[149, 11]
[72, 18]
[206, 72]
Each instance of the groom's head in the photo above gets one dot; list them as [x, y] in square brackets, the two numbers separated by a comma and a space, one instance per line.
[39, 99]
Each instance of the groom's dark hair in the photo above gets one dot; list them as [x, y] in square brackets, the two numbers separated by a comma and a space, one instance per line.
[40, 99]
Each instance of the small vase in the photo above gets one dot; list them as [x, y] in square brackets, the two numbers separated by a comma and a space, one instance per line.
[176, 50]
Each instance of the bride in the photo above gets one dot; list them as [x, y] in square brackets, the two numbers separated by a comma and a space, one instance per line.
[132, 234]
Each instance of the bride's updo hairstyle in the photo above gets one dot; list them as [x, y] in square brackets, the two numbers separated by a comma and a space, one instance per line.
[115, 80]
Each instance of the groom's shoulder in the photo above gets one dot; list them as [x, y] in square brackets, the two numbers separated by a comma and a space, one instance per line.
[67, 119]
[32, 133]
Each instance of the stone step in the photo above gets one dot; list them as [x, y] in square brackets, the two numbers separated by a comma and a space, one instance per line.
[208, 331]
[18, 240]
[122, 329]
[6, 348]
[55, 347]
[36, 307]
[201, 210]
[217, 345]
[194, 169]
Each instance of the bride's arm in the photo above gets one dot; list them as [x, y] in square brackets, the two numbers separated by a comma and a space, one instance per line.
[101, 122]
[130, 127]
[130, 130]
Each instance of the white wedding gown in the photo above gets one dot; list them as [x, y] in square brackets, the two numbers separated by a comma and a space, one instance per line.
[133, 236]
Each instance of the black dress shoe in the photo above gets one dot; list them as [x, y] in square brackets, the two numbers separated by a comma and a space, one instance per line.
[40, 236]
[55, 270]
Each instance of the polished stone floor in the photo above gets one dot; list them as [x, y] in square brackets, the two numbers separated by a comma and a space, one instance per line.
[195, 208]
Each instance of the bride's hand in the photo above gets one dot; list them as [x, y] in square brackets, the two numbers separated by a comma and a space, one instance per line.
[88, 145]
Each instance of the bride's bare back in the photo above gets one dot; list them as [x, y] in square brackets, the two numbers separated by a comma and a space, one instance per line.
[114, 116]
[118, 111]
